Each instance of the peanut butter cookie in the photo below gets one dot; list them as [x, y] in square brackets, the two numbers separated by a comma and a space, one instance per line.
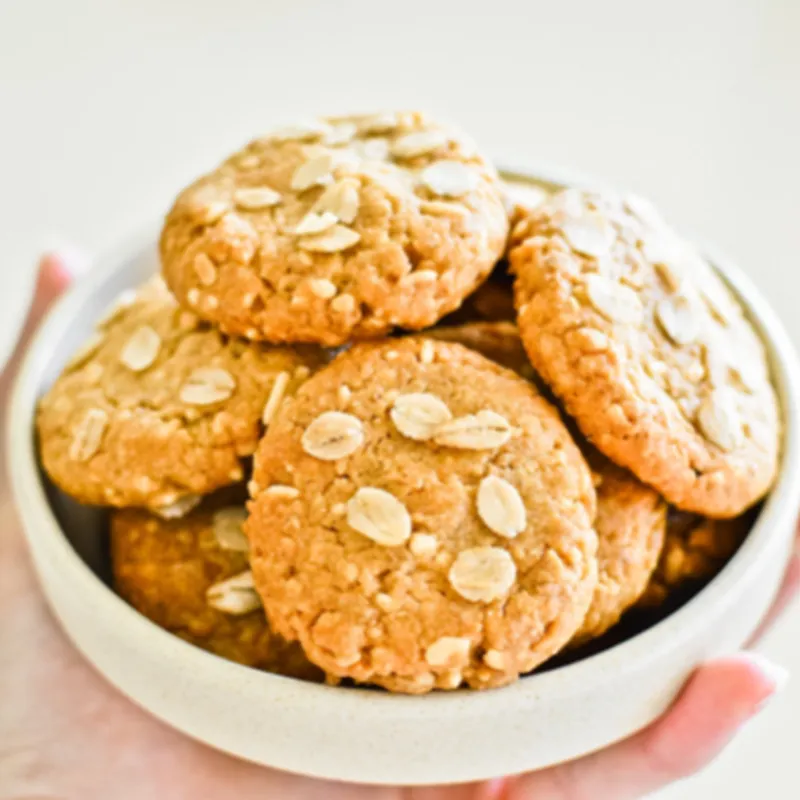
[422, 519]
[631, 517]
[191, 576]
[695, 550]
[338, 229]
[648, 350]
[159, 408]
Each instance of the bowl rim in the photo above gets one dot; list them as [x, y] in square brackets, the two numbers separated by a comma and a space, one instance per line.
[589, 673]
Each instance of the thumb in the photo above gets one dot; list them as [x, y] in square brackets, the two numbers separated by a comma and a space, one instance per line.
[717, 701]
[56, 271]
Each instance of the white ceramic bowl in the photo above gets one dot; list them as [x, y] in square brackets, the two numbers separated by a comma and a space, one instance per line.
[357, 734]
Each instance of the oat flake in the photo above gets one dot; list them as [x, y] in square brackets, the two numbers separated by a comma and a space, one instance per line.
[419, 414]
[379, 516]
[333, 435]
[483, 574]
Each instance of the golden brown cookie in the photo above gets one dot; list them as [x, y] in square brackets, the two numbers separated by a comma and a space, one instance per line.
[422, 519]
[159, 407]
[695, 550]
[630, 524]
[343, 228]
[523, 196]
[191, 576]
[648, 350]
[498, 341]
[631, 517]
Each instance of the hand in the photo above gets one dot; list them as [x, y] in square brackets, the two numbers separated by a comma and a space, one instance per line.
[64, 732]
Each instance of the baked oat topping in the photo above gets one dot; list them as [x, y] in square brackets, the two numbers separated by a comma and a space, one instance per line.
[483, 574]
[254, 198]
[141, 350]
[500, 507]
[179, 508]
[333, 435]
[418, 415]
[379, 516]
[88, 435]
[485, 430]
[235, 596]
[448, 651]
[207, 386]
[227, 526]
[275, 398]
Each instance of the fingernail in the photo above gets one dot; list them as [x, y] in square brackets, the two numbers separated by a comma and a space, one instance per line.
[71, 257]
[493, 790]
[775, 676]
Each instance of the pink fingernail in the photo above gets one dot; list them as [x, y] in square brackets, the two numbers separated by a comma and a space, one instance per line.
[777, 675]
[73, 259]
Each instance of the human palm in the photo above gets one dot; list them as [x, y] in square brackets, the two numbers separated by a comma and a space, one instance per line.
[66, 733]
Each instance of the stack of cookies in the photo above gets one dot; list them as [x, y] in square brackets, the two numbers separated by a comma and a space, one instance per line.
[379, 423]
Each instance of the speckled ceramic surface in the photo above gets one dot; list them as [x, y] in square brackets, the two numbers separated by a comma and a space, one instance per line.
[357, 734]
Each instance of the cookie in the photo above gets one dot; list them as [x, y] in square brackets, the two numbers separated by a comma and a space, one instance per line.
[422, 519]
[191, 577]
[336, 230]
[631, 517]
[159, 408]
[648, 350]
[498, 341]
[523, 196]
[492, 301]
[694, 551]
[630, 524]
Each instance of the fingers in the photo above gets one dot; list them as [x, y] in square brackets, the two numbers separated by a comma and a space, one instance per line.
[56, 270]
[716, 702]
[54, 275]
[491, 790]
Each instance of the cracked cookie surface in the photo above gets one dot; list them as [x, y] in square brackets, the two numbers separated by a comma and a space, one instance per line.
[158, 407]
[648, 350]
[421, 519]
[190, 577]
[339, 229]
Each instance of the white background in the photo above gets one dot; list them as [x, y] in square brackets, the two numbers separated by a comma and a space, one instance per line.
[108, 107]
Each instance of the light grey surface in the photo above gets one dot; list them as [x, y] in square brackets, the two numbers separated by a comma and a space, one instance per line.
[107, 108]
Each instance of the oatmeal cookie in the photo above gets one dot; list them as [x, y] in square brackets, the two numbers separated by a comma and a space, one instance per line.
[338, 229]
[631, 517]
[191, 577]
[498, 341]
[630, 524]
[159, 408]
[648, 350]
[422, 519]
[522, 197]
[695, 550]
